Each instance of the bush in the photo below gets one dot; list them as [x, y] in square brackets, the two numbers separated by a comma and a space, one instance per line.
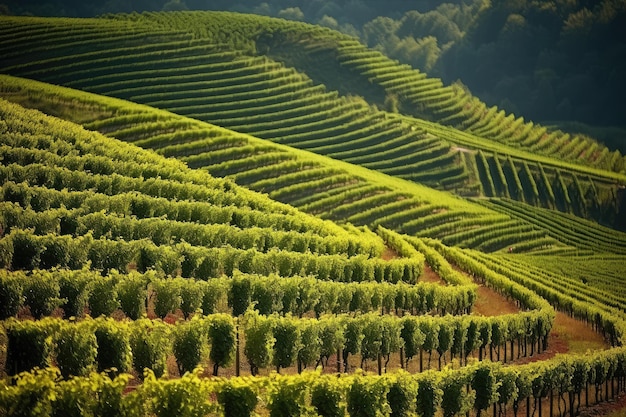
[168, 298]
[30, 394]
[149, 344]
[222, 339]
[240, 294]
[287, 336]
[41, 294]
[367, 397]
[132, 295]
[114, 354]
[74, 291]
[401, 395]
[103, 296]
[188, 345]
[286, 397]
[192, 294]
[28, 345]
[75, 348]
[211, 294]
[259, 341]
[73, 398]
[237, 398]
[184, 397]
[326, 398]
[10, 294]
[26, 250]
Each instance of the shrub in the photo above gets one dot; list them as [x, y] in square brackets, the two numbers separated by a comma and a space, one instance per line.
[75, 348]
[326, 397]
[132, 295]
[149, 344]
[367, 397]
[114, 354]
[188, 345]
[41, 294]
[10, 294]
[168, 298]
[184, 397]
[103, 296]
[237, 398]
[286, 397]
[74, 290]
[222, 339]
[192, 294]
[401, 395]
[211, 294]
[28, 345]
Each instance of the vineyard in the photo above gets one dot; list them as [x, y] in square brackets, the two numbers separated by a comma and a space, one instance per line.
[230, 215]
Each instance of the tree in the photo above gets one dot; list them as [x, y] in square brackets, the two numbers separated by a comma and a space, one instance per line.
[222, 338]
[287, 342]
[259, 337]
[486, 385]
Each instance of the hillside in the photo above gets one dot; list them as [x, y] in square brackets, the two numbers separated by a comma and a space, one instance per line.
[262, 197]
[253, 93]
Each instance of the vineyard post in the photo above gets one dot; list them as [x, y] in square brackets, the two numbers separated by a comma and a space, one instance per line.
[339, 356]
[237, 357]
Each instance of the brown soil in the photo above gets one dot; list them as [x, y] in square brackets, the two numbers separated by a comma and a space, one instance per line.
[491, 303]
[431, 276]
[389, 254]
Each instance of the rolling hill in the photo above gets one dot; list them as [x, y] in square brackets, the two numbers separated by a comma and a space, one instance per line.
[212, 185]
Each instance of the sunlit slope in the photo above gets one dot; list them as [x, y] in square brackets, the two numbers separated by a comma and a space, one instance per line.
[76, 199]
[218, 75]
[328, 188]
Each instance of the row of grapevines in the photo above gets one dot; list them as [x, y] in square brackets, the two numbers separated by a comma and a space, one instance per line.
[279, 341]
[451, 392]
[75, 291]
[22, 249]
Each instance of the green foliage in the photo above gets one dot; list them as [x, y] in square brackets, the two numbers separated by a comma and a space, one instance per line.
[412, 337]
[28, 345]
[149, 341]
[286, 397]
[103, 298]
[367, 397]
[237, 398]
[11, 299]
[73, 398]
[188, 345]
[132, 294]
[240, 294]
[287, 342]
[310, 344]
[191, 294]
[455, 400]
[114, 353]
[222, 338]
[168, 298]
[485, 385]
[75, 348]
[30, 395]
[429, 394]
[187, 396]
[327, 397]
[402, 394]
[211, 294]
[74, 290]
[41, 295]
[259, 337]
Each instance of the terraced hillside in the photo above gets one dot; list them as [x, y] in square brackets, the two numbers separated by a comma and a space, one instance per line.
[200, 75]
[138, 243]
[318, 185]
